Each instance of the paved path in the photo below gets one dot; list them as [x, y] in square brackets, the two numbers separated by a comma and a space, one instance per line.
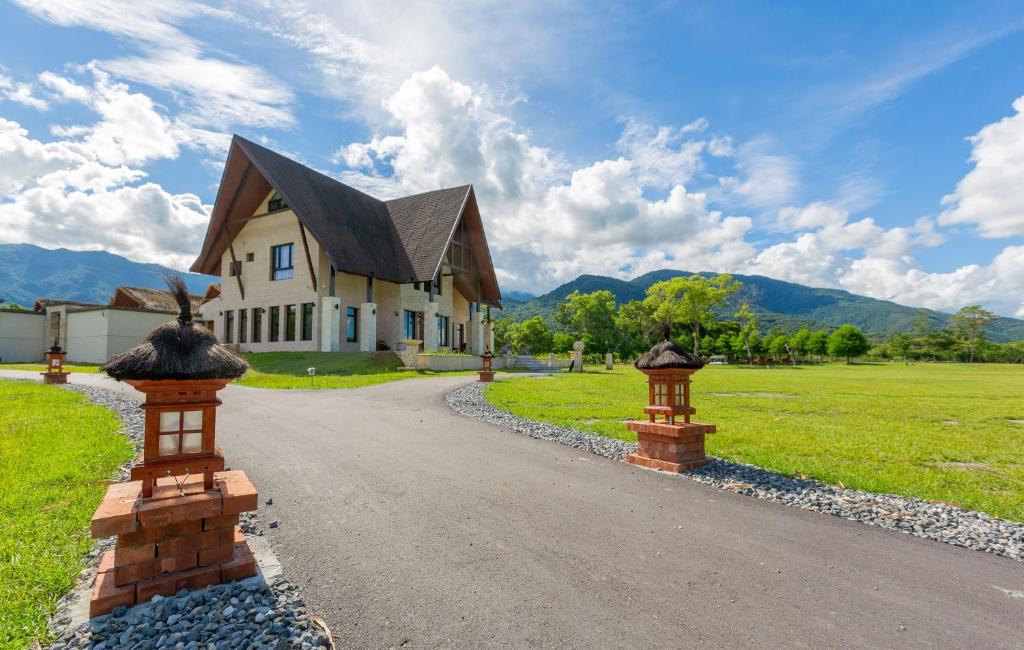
[407, 525]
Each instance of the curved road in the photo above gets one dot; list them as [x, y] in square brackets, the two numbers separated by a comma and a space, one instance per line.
[406, 525]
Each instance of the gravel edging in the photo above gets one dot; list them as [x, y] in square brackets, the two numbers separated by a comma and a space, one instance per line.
[251, 613]
[939, 522]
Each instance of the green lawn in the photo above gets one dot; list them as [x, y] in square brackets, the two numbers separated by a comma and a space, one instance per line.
[948, 432]
[68, 367]
[333, 369]
[56, 449]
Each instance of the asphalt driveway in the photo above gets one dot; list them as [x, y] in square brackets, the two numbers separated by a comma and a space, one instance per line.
[406, 525]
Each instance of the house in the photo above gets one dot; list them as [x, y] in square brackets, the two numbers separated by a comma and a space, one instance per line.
[308, 263]
[90, 332]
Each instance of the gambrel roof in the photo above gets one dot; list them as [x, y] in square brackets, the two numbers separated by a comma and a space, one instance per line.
[401, 240]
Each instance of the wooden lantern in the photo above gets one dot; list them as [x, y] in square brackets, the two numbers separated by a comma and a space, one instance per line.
[662, 442]
[180, 438]
[54, 373]
[486, 367]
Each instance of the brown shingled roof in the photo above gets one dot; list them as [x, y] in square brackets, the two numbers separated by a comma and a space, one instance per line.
[155, 299]
[401, 240]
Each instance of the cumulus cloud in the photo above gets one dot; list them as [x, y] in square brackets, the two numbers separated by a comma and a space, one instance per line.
[22, 93]
[990, 195]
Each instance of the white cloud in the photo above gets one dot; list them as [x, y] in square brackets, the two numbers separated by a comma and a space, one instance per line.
[663, 157]
[766, 178]
[22, 93]
[990, 196]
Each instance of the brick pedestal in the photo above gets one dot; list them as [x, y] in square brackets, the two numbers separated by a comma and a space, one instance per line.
[486, 375]
[669, 447]
[55, 377]
[181, 537]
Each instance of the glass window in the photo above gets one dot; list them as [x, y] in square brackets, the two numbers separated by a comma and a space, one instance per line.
[169, 421]
[257, 324]
[283, 268]
[181, 432]
[168, 445]
[229, 326]
[442, 331]
[243, 325]
[289, 322]
[275, 324]
[410, 324]
[276, 202]
[192, 443]
[192, 420]
[307, 321]
[352, 324]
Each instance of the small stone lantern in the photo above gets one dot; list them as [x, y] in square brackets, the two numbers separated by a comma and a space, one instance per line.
[486, 371]
[54, 373]
[177, 518]
[662, 442]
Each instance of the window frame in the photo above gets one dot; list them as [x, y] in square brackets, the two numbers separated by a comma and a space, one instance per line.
[443, 335]
[243, 325]
[278, 273]
[307, 321]
[275, 324]
[229, 326]
[352, 324]
[257, 325]
[290, 318]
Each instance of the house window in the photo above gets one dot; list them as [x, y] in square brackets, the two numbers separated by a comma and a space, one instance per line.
[307, 321]
[283, 267]
[410, 324]
[236, 268]
[276, 202]
[257, 324]
[352, 324]
[460, 336]
[250, 257]
[243, 325]
[275, 324]
[442, 331]
[289, 322]
[437, 284]
[229, 326]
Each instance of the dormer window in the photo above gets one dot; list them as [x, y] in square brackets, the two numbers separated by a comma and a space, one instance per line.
[276, 202]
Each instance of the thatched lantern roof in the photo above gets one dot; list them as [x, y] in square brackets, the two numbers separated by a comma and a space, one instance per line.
[179, 349]
[56, 349]
[668, 355]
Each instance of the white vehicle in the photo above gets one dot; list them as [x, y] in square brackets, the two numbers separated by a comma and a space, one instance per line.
[718, 360]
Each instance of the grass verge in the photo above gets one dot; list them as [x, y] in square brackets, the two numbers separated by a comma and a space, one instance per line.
[56, 449]
[947, 432]
[68, 367]
[284, 370]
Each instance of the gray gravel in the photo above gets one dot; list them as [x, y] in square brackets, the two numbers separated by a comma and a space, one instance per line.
[943, 523]
[245, 614]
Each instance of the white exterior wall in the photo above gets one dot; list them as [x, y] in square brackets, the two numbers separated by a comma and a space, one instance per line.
[86, 340]
[126, 329]
[22, 336]
[258, 236]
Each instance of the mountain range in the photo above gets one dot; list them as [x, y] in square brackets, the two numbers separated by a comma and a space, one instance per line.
[28, 272]
[785, 305]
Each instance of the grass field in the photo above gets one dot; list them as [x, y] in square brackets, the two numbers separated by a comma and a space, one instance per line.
[945, 432]
[68, 367]
[333, 370]
[52, 479]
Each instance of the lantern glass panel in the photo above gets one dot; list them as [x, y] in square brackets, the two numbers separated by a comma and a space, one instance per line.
[191, 443]
[192, 420]
[170, 421]
[679, 394]
[54, 362]
[168, 445]
[660, 394]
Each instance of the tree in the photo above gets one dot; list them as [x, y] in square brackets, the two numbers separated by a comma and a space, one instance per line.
[591, 317]
[505, 333]
[901, 344]
[748, 329]
[817, 344]
[777, 346]
[533, 333]
[633, 325]
[562, 342]
[799, 341]
[969, 325]
[848, 341]
[688, 301]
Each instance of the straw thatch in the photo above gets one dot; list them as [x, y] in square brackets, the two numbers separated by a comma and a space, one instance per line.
[177, 350]
[56, 347]
[154, 299]
[666, 355]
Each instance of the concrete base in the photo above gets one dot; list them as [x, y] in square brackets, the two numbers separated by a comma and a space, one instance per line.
[368, 327]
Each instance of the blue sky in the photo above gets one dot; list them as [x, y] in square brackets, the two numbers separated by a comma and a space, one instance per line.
[871, 146]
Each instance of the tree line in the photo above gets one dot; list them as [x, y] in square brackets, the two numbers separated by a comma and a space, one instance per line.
[702, 314]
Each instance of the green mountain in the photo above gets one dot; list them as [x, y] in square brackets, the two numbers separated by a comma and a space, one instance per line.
[28, 272]
[786, 305]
